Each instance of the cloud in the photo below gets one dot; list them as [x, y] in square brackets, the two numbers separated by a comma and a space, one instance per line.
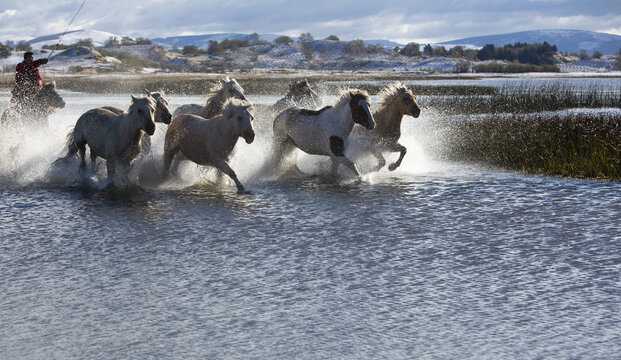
[8, 13]
[428, 21]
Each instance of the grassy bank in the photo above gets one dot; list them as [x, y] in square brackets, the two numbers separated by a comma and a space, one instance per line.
[579, 145]
[253, 84]
[526, 99]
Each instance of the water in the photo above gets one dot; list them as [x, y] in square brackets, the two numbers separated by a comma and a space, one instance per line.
[435, 260]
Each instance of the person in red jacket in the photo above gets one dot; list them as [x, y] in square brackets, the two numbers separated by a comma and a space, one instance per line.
[27, 77]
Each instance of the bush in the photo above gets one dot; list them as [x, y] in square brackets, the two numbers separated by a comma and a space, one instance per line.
[355, 46]
[23, 47]
[411, 49]
[5, 51]
[283, 40]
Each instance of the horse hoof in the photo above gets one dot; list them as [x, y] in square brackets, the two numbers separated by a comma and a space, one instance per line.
[392, 167]
[243, 192]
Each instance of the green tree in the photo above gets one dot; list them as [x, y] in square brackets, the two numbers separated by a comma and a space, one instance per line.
[597, 54]
[305, 37]
[190, 50]
[84, 42]
[283, 40]
[23, 46]
[112, 42]
[411, 49]
[126, 40]
[439, 51]
[333, 38]
[143, 41]
[457, 51]
[618, 60]
[5, 51]
[214, 48]
[428, 50]
[583, 54]
[355, 46]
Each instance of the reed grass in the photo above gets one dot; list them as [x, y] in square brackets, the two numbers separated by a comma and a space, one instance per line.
[578, 145]
[528, 98]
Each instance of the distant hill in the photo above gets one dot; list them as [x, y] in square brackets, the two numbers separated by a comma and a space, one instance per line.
[571, 41]
[71, 37]
[202, 41]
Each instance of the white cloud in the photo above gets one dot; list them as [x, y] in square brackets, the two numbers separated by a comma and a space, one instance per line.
[8, 13]
[429, 21]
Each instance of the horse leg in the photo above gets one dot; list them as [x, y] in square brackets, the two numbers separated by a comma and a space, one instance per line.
[381, 161]
[345, 161]
[334, 167]
[402, 149]
[169, 154]
[111, 167]
[225, 168]
[82, 151]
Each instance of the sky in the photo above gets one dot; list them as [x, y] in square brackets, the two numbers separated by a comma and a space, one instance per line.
[429, 21]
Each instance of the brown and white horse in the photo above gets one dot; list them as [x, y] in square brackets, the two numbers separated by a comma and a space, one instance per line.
[322, 132]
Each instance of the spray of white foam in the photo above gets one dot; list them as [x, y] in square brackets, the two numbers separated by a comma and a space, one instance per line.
[29, 153]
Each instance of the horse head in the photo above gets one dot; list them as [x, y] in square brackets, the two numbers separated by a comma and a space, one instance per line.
[162, 114]
[409, 102]
[48, 95]
[240, 119]
[232, 89]
[302, 95]
[142, 112]
[360, 105]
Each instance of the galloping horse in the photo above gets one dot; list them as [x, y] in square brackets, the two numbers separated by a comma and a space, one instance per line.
[300, 95]
[116, 138]
[35, 111]
[325, 131]
[209, 141]
[396, 101]
[162, 115]
[225, 89]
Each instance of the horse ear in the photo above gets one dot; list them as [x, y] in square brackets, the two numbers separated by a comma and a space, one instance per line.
[148, 92]
[134, 99]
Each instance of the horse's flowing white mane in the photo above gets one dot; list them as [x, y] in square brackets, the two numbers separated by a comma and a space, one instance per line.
[235, 107]
[389, 93]
[347, 95]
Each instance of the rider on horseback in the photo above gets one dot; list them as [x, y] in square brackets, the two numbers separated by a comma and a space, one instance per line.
[27, 78]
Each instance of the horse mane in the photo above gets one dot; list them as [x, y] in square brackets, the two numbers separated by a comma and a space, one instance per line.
[132, 109]
[348, 95]
[391, 92]
[234, 106]
[314, 112]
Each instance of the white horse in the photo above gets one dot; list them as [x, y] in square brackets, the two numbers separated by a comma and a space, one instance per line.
[209, 141]
[322, 132]
[223, 90]
[396, 101]
[114, 137]
[162, 115]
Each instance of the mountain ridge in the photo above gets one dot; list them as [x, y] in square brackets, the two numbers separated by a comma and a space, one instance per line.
[566, 40]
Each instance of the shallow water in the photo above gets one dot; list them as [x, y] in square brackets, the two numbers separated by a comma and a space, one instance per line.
[435, 260]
